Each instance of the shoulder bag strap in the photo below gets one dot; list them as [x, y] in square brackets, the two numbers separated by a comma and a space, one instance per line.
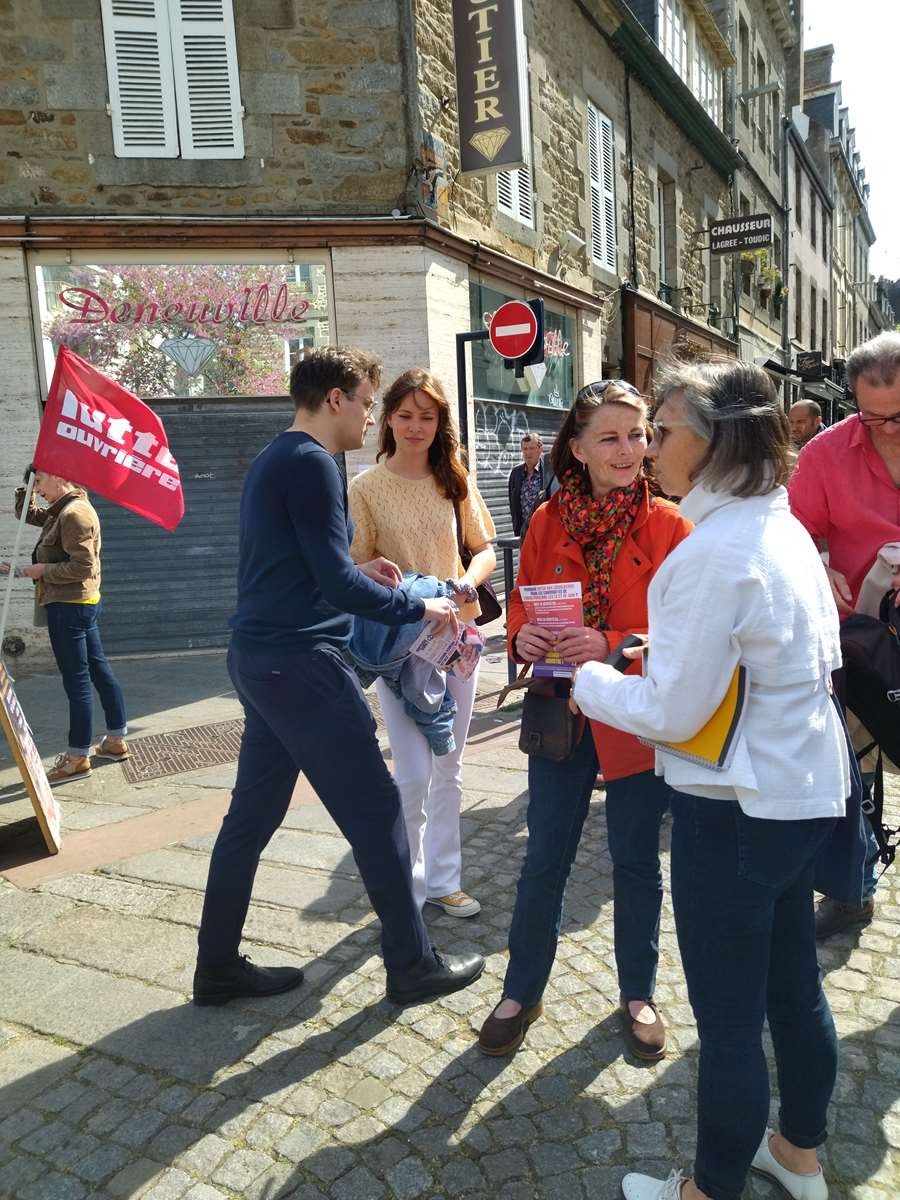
[520, 681]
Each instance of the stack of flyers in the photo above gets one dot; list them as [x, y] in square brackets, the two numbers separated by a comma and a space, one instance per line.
[555, 607]
[456, 652]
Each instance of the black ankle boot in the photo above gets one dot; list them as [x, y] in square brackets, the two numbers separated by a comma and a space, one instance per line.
[437, 975]
[218, 985]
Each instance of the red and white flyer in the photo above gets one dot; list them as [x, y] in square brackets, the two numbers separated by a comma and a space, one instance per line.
[555, 607]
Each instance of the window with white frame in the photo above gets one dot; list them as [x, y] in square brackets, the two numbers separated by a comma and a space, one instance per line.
[173, 78]
[685, 48]
[602, 161]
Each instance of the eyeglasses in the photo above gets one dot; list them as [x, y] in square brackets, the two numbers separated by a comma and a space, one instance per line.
[368, 404]
[596, 390]
[873, 421]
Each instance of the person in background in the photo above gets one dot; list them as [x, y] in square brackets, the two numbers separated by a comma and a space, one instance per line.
[746, 588]
[66, 570]
[530, 483]
[416, 507]
[606, 530]
[845, 490]
[304, 709]
[805, 419]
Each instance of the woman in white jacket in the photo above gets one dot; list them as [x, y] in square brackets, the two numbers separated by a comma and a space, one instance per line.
[746, 587]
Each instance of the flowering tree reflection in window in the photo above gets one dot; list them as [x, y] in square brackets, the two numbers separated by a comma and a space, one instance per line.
[188, 329]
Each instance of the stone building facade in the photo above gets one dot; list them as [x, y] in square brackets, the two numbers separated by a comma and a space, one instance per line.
[331, 171]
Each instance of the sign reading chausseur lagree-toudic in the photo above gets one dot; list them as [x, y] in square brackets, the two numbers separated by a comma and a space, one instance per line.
[490, 85]
[740, 233]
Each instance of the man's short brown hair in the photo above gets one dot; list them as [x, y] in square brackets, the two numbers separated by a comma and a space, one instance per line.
[344, 367]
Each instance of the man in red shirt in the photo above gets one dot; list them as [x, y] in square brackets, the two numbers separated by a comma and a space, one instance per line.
[846, 491]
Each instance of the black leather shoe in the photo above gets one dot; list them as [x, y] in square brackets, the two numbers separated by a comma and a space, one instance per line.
[218, 985]
[437, 975]
[832, 916]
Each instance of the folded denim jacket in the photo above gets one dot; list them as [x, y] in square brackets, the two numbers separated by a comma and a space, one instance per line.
[379, 651]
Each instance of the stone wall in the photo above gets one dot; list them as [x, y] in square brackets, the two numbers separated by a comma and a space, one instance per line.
[325, 128]
[571, 63]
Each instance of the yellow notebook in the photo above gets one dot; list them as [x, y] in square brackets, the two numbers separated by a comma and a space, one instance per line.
[714, 744]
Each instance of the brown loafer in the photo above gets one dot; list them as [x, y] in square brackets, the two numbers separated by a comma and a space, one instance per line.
[646, 1042]
[502, 1035]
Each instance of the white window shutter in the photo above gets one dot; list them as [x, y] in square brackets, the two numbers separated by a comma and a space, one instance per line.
[506, 191]
[141, 82]
[602, 161]
[608, 179]
[526, 196]
[204, 52]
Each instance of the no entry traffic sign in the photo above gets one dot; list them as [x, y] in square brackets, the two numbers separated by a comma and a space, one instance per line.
[513, 329]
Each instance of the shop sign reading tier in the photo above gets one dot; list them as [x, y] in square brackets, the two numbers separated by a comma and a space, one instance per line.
[740, 233]
[490, 84]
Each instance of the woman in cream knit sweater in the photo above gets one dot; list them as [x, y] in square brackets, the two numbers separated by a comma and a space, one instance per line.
[405, 509]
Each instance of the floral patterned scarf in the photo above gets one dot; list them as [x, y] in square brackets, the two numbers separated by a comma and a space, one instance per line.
[599, 527]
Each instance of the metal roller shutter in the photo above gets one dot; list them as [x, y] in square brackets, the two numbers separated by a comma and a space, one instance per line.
[499, 429]
[175, 591]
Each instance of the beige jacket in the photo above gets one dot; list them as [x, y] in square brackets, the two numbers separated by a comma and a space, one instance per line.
[69, 544]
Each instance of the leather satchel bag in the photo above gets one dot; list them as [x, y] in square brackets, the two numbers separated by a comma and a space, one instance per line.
[549, 728]
[487, 597]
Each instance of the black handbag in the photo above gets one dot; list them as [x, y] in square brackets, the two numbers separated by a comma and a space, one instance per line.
[487, 597]
[549, 727]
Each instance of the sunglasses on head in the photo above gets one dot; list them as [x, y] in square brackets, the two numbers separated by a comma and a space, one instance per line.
[596, 390]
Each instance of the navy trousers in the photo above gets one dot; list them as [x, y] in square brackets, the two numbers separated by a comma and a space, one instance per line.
[306, 712]
[742, 891]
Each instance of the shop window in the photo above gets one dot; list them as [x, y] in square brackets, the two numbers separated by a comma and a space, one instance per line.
[602, 160]
[171, 330]
[173, 78]
[492, 381]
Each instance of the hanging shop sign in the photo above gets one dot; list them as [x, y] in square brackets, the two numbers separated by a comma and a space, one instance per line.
[740, 233]
[809, 365]
[491, 87]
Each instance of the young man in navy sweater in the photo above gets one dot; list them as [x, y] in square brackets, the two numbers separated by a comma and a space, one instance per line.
[303, 706]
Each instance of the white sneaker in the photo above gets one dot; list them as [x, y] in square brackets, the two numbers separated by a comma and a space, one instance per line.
[457, 904]
[799, 1187]
[642, 1187]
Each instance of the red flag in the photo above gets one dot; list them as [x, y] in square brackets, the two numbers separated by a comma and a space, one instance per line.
[96, 433]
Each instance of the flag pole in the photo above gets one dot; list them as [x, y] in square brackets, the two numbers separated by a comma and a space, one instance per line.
[15, 554]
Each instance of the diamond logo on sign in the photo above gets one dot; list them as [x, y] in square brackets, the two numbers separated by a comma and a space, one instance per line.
[489, 143]
[191, 354]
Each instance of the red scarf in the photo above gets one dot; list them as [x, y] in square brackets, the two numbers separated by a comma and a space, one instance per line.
[599, 527]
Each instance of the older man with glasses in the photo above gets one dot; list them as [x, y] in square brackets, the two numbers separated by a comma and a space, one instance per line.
[846, 491]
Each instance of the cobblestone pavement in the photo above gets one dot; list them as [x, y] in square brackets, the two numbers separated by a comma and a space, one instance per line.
[112, 1085]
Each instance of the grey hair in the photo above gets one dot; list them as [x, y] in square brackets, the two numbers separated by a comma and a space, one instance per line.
[734, 407]
[532, 437]
[878, 360]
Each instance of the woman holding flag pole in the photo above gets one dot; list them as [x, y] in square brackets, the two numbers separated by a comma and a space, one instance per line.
[97, 434]
[65, 567]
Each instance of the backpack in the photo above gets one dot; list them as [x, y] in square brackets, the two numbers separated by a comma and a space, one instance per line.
[870, 688]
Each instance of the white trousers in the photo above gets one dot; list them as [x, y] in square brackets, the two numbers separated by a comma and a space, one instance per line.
[431, 789]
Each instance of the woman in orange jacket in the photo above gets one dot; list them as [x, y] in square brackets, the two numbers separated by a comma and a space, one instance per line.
[605, 530]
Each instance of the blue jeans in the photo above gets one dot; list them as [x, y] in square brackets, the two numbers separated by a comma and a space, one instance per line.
[742, 890]
[75, 639]
[306, 712]
[558, 798]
